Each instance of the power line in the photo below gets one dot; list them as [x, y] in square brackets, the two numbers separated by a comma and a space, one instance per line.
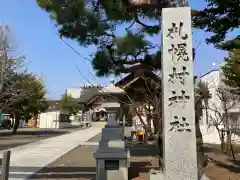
[200, 41]
[74, 49]
[84, 76]
[81, 74]
[80, 56]
[65, 42]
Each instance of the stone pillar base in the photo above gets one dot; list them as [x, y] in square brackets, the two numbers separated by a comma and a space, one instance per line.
[156, 175]
[159, 175]
[112, 166]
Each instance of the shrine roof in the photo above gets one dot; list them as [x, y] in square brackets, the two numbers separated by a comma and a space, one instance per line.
[133, 77]
[88, 94]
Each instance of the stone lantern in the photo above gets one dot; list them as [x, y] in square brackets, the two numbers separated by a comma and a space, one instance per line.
[112, 158]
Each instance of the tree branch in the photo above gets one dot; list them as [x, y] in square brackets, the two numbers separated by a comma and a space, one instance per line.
[130, 25]
[141, 23]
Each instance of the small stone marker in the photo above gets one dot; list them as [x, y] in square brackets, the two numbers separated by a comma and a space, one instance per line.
[179, 135]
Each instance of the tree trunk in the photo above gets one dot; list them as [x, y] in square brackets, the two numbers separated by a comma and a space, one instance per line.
[233, 152]
[156, 120]
[160, 150]
[149, 126]
[145, 126]
[228, 143]
[158, 116]
[149, 117]
[200, 150]
[159, 131]
[206, 109]
[35, 117]
[155, 125]
[16, 123]
[221, 136]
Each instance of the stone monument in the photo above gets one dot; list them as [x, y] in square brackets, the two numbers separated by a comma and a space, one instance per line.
[179, 134]
[112, 156]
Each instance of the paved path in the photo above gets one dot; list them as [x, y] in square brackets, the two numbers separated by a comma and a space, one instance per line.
[29, 159]
[29, 135]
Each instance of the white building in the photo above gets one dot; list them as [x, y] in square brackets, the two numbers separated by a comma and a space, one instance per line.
[54, 117]
[214, 114]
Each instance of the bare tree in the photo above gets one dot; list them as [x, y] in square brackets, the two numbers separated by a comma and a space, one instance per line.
[11, 77]
[9, 64]
[8, 67]
[202, 96]
[220, 117]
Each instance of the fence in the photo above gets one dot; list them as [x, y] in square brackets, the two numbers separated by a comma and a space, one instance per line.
[4, 163]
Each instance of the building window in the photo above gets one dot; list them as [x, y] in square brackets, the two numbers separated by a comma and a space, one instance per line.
[64, 118]
[234, 120]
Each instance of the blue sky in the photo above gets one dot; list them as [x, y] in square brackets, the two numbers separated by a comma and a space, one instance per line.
[48, 57]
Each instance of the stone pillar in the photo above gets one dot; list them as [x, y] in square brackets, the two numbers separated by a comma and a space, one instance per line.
[179, 134]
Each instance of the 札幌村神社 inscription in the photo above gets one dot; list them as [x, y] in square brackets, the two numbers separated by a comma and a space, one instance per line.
[178, 52]
[178, 76]
[180, 124]
[177, 99]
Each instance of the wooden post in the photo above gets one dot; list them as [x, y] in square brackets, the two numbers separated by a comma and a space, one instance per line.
[5, 165]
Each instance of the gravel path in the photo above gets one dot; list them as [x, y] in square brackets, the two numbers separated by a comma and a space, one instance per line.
[78, 164]
[96, 138]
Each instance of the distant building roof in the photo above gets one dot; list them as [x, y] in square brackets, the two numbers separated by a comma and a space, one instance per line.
[87, 94]
[53, 104]
[111, 88]
[209, 72]
[90, 92]
[86, 86]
